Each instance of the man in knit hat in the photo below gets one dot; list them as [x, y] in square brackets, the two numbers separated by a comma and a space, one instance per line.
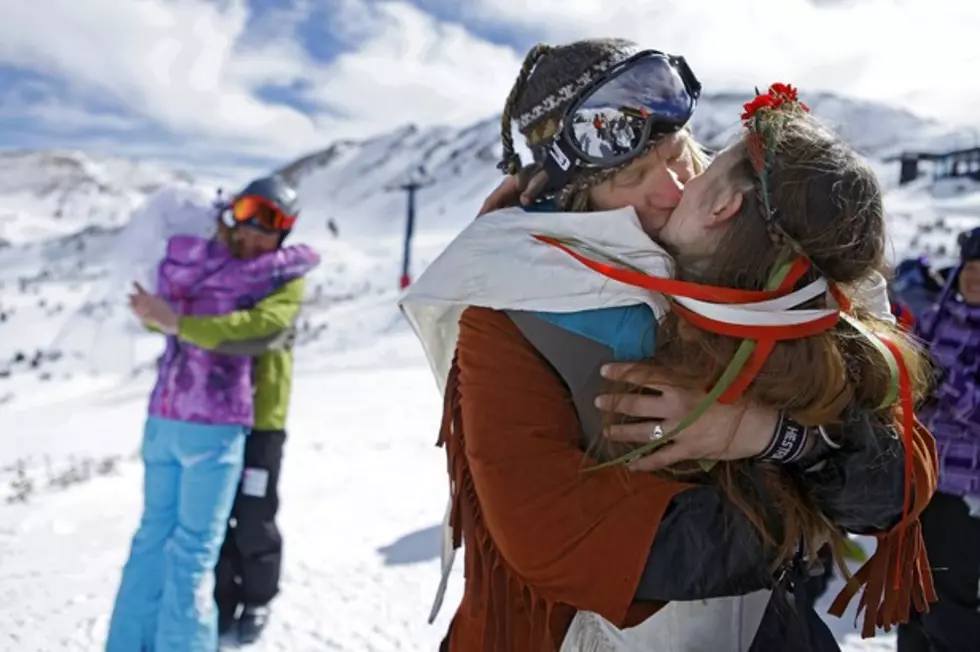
[951, 522]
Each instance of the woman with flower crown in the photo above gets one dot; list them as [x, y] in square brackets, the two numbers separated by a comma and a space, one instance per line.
[764, 337]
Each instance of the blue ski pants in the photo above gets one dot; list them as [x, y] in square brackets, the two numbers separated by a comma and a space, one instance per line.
[165, 601]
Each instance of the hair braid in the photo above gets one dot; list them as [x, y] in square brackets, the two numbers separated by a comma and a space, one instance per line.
[778, 235]
[510, 163]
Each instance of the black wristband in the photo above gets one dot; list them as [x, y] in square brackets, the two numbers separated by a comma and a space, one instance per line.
[788, 441]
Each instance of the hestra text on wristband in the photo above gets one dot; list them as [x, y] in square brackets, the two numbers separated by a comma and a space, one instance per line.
[788, 441]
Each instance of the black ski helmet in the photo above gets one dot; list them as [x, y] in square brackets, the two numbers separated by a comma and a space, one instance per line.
[277, 192]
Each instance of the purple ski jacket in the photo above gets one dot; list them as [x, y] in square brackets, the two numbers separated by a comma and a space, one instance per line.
[200, 277]
[952, 332]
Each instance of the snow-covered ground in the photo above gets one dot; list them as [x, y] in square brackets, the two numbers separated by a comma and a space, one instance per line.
[362, 496]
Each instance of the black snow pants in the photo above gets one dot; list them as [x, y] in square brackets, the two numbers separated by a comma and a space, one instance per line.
[248, 569]
[952, 540]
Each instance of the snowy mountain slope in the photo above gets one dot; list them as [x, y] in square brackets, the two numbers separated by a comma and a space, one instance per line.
[45, 194]
[876, 130]
[357, 184]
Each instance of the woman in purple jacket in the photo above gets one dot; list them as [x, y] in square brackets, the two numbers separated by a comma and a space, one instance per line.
[951, 522]
[193, 444]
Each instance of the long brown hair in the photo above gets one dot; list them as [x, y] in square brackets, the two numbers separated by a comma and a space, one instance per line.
[828, 203]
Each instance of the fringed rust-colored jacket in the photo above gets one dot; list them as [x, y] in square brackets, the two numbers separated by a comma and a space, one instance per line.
[544, 540]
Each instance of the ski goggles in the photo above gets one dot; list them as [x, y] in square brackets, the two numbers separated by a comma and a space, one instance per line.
[614, 119]
[258, 213]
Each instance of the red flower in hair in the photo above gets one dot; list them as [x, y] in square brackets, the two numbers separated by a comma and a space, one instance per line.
[787, 93]
[761, 101]
[784, 91]
[777, 96]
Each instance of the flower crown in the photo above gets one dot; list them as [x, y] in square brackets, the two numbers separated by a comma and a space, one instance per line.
[765, 115]
[763, 119]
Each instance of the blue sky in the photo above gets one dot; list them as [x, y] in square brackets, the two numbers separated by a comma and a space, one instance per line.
[222, 87]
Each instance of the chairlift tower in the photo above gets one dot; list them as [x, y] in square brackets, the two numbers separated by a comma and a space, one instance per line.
[416, 181]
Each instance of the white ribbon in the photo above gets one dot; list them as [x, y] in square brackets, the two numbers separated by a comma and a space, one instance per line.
[773, 312]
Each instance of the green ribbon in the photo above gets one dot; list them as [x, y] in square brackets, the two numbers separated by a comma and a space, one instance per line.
[728, 376]
[886, 353]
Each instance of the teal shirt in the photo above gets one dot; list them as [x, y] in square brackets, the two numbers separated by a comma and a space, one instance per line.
[629, 331]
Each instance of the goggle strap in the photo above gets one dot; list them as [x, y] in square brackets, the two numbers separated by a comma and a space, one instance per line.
[692, 82]
[560, 163]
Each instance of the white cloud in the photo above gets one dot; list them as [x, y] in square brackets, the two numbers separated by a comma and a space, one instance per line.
[908, 52]
[38, 101]
[191, 67]
[414, 68]
[195, 68]
[65, 118]
[165, 61]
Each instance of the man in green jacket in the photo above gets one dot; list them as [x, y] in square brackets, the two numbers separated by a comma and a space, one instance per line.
[247, 574]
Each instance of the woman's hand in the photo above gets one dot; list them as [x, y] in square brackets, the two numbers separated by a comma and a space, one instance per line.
[518, 189]
[507, 194]
[153, 310]
[724, 432]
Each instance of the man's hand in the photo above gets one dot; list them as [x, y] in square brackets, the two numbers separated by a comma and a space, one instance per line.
[153, 310]
[724, 432]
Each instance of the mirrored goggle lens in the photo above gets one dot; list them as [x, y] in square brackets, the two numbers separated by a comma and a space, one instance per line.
[255, 211]
[611, 121]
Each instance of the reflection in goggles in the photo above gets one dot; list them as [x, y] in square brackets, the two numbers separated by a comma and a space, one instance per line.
[612, 121]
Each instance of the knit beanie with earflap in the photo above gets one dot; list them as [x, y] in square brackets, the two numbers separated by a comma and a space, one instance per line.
[969, 243]
[547, 83]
